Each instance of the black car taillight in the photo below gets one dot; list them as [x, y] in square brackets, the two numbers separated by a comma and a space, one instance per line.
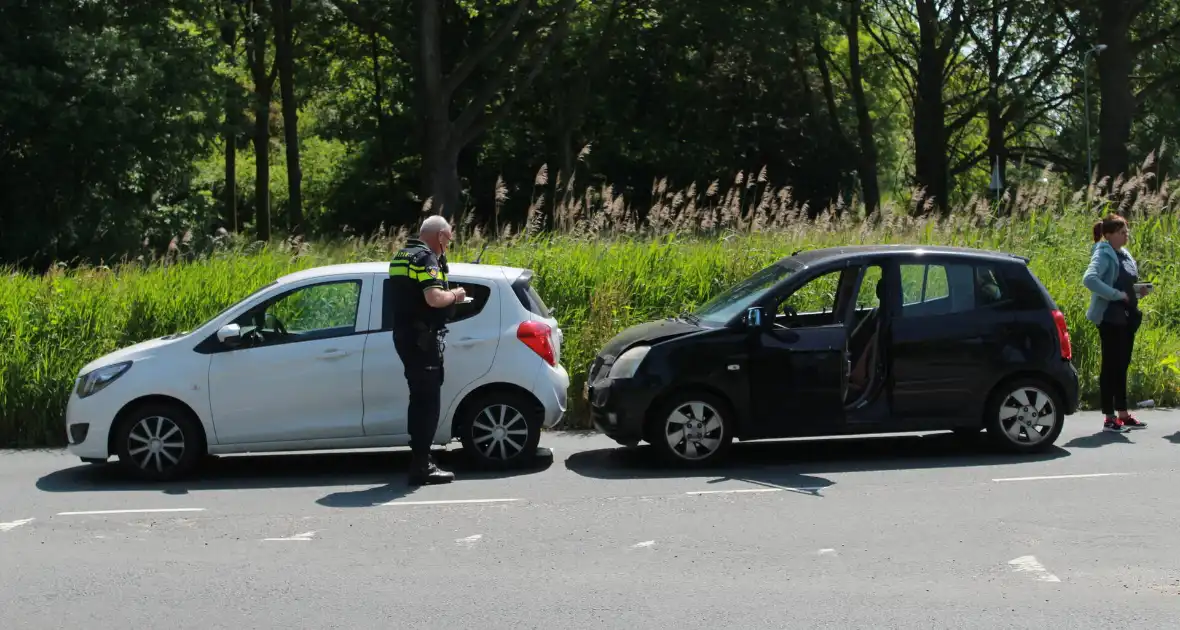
[1063, 335]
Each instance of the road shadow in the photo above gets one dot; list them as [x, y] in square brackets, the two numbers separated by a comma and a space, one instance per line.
[385, 469]
[796, 463]
[1098, 439]
[1174, 438]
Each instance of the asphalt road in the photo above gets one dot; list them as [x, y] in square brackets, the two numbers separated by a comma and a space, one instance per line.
[886, 532]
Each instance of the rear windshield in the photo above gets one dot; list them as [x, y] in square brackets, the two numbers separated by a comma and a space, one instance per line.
[528, 296]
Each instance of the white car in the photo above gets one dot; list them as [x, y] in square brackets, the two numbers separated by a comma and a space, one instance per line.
[307, 362]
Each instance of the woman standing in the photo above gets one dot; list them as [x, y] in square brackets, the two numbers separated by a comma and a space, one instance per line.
[1114, 308]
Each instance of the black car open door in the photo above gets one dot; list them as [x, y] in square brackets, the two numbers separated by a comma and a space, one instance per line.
[799, 363]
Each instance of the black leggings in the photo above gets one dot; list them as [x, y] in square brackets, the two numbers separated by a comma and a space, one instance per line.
[1118, 341]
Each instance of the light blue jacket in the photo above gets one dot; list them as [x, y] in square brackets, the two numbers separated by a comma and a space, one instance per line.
[1100, 277]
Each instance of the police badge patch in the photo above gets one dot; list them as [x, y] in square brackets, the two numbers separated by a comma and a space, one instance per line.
[433, 271]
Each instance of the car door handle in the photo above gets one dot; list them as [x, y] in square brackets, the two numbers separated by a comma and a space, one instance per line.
[468, 341]
[333, 353]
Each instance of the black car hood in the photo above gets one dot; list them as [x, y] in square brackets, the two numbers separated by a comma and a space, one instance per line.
[648, 332]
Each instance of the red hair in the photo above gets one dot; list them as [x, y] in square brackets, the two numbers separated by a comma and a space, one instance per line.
[1109, 225]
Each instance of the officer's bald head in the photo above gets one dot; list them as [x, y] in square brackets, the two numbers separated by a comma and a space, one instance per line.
[436, 233]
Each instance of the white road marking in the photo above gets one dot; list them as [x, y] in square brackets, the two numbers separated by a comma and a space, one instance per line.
[450, 502]
[747, 490]
[827, 552]
[1063, 477]
[469, 541]
[1030, 564]
[145, 511]
[11, 525]
[646, 543]
[741, 490]
[303, 536]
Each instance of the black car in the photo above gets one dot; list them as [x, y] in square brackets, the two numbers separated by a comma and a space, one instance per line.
[846, 341]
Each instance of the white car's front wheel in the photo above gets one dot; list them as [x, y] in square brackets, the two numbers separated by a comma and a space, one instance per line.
[158, 441]
[500, 430]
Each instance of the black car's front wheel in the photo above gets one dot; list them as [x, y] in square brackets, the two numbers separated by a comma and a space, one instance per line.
[1024, 416]
[692, 429]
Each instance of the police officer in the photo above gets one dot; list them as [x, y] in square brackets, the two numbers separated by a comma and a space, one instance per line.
[423, 302]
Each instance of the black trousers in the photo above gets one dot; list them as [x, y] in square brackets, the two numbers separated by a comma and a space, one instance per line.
[1117, 344]
[422, 356]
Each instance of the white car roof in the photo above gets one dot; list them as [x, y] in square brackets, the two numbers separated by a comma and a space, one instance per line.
[457, 271]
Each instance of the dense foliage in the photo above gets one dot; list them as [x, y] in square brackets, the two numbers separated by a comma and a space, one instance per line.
[599, 276]
[127, 124]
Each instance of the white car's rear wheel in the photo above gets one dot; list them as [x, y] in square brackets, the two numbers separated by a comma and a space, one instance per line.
[500, 430]
[158, 442]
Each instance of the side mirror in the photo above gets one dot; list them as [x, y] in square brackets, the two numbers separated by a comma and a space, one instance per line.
[230, 334]
[754, 318]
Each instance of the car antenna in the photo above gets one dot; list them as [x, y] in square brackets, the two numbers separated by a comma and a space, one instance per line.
[480, 256]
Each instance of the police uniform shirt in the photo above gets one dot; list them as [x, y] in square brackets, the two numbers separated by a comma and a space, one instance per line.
[415, 270]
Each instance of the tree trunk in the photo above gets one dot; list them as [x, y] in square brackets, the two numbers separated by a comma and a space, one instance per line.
[444, 138]
[284, 28]
[571, 113]
[930, 112]
[263, 83]
[229, 36]
[382, 119]
[997, 149]
[867, 156]
[441, 166]
[1118, 99]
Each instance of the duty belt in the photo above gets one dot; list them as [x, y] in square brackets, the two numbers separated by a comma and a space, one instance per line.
[423, 328]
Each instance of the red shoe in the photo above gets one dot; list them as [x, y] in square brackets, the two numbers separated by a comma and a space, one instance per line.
[1132, 423]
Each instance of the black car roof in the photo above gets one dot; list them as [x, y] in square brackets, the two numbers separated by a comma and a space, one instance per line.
[812, 257]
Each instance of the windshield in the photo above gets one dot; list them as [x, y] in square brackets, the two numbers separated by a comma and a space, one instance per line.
[742, 295]
[231, 306]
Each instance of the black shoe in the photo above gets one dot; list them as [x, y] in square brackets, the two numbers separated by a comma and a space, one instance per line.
[423, 471]
[1115, 426]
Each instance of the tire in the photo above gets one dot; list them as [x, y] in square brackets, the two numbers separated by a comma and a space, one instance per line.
[1024, 398]
[176, 456]
[500, 430]
[715, 425]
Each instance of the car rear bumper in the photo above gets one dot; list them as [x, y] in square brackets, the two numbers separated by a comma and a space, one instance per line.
[618, 408]
[1070, 386]
[552, 389]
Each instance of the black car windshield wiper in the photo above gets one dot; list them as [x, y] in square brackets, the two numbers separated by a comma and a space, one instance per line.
[689, 317]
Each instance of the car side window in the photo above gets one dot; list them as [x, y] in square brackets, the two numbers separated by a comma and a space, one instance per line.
[317, 311]
[990, 288]
[813, 304]
[866, 296]
[937, 289]
[479, 294]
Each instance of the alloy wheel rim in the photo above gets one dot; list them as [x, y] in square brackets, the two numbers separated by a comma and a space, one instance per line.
[155, 442]
[694, 430]
[1027, 415]
[500, 432]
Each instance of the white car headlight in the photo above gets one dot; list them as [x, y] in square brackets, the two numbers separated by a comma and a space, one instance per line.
[94, 381]
[628, 362]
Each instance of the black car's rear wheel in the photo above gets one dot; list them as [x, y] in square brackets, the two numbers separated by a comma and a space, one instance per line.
[1024, 416]
[692, 429]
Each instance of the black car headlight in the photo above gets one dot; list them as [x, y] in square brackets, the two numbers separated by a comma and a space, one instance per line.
[96, 380]
[628, 363]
